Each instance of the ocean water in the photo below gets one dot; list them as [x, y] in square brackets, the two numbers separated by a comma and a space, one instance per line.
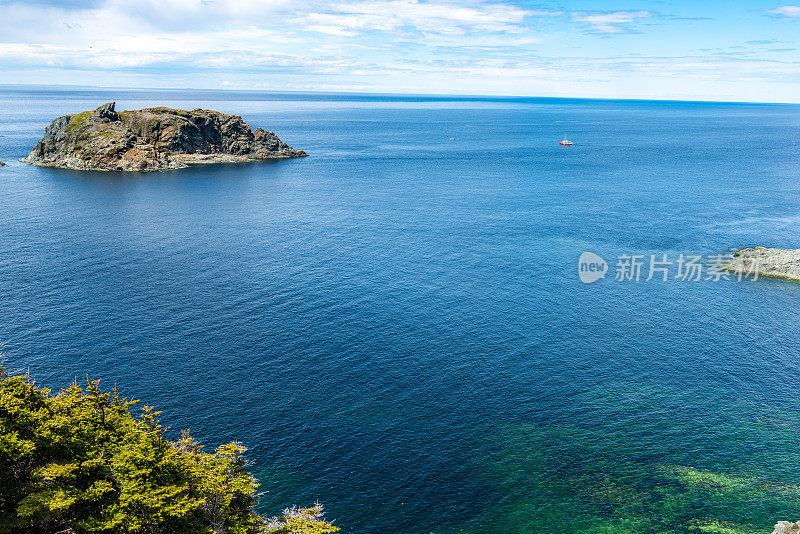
[395, 326]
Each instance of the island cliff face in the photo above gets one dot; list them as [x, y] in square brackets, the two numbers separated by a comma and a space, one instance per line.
[153, 139]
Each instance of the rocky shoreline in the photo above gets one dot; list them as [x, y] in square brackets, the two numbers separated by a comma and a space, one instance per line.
[774, 262]
[153, 139]
[787, 527]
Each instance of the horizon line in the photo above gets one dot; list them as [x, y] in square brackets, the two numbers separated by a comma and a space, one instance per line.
[389, 93]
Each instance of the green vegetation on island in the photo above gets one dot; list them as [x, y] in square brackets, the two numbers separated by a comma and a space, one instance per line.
[83, 461]
[153, 139]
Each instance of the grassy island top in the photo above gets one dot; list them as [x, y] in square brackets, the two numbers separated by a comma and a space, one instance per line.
[153, 139]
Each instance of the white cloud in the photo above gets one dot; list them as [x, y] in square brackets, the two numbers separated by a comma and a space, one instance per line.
[478, 46]
[610, 22]
[444, 18]
[792, 12]
[111, 59]
[160, 36]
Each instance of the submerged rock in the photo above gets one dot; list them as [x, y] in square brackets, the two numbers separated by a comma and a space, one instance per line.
[787, 527]
[153, 139]
[766, 262]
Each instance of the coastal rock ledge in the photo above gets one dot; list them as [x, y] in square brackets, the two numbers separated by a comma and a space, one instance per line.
[774, 262]
[153, 139]
[786, 527]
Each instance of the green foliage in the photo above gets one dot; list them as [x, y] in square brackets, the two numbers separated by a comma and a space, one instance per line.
[77, 120]
[179, 112]
[80, 461]
[301, 521]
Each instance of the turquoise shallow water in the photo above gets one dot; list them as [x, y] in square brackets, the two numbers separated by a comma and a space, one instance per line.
[395, 325]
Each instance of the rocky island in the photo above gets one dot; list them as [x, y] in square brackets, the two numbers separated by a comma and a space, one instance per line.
[774, 262]
[153, 139]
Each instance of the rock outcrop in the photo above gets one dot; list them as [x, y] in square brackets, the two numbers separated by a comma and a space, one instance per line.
[766, 262]
[153, 139]
[786, 527]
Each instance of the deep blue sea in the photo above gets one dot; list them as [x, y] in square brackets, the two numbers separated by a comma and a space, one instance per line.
[395, 325]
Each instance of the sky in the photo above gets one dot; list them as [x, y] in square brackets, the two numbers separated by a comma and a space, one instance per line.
[727, 50]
